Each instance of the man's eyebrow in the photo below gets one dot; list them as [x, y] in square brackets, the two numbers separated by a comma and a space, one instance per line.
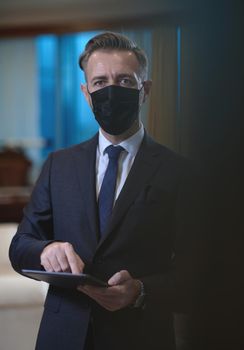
[99, 77]
[119, 76]
[124, 75]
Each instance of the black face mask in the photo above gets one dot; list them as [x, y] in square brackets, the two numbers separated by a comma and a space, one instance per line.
[115, 108]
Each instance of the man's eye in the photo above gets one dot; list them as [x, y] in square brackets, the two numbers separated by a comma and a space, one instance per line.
[99, 83]
[126, 82]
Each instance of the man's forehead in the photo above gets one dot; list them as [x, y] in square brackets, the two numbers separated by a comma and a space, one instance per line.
[101, 58]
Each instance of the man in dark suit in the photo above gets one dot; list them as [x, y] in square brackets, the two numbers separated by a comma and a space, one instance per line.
[141, 243]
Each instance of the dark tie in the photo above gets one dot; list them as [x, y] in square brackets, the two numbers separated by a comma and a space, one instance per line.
[107, 191]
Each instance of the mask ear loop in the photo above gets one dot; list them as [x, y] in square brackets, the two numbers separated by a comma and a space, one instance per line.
[142, 86]
[141, 90]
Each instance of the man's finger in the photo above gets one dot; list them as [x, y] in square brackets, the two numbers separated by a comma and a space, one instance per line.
[51, 264]
[119, 277]
[75, 262]
[46, 264]
[55, 263]
[63, 262]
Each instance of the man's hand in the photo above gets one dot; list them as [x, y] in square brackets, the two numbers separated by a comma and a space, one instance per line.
[61, 257]
[123, 291]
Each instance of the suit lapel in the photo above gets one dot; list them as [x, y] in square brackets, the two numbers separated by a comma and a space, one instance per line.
[145, 165]
[85, 160]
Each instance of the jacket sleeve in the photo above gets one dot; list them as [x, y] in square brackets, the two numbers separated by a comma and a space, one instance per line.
[36, 228]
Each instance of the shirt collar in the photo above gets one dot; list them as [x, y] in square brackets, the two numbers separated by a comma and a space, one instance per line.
[131, 145]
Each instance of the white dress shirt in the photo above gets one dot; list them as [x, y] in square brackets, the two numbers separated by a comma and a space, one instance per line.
[126, 159]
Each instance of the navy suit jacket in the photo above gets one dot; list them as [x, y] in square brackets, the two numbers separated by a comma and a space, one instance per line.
[151, 234]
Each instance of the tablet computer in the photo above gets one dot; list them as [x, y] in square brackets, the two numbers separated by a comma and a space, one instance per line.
[64, 279]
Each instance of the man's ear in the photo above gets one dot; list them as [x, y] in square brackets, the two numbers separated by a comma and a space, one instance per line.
[83, 88]
[147, 87]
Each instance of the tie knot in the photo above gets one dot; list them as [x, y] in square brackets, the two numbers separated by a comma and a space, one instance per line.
[114, 151]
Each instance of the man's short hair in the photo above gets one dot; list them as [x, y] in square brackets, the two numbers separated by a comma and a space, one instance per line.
[114, 41]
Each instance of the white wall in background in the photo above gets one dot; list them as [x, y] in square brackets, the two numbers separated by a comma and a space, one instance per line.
[19, 116]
